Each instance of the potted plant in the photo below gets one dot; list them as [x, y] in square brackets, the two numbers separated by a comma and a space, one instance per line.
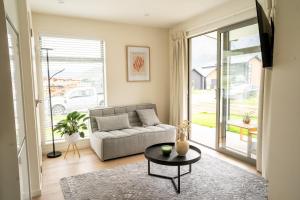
[72, 127]
[247, 117]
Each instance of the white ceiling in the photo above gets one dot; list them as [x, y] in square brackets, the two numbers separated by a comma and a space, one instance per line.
[158, 13]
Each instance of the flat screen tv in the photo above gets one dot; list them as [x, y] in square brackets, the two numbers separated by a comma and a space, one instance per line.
[266, 35]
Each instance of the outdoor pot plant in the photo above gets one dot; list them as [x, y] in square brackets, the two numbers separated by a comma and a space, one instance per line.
[247, 117]
[72, 127]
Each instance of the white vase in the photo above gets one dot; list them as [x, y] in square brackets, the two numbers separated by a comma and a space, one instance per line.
[72, 139]
[182, 147]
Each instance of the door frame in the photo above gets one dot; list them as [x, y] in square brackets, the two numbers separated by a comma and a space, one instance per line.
[220, 124]
[10, 171]
[190, 90]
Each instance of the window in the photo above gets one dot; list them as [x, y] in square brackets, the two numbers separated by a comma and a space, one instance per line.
[77, 83]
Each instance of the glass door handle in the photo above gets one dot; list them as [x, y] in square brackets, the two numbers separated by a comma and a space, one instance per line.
[37, 101]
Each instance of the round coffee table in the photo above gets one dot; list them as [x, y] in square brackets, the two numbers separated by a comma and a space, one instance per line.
[153, 153]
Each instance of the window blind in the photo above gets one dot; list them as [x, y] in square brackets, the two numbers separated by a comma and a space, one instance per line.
[77, 67]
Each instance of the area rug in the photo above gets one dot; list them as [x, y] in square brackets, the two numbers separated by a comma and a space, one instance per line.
[211, 178]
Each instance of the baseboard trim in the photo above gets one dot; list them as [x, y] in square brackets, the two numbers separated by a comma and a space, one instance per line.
[62, 146]
[36, 193]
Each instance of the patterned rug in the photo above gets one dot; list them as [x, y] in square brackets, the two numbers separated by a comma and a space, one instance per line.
[211, 178]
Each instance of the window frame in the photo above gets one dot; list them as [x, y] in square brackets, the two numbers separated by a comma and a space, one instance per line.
[45, 143]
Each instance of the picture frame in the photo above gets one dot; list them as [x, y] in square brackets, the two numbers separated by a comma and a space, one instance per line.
[138, 63]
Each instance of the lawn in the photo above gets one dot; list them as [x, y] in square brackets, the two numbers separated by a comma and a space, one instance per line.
[209, 120]
[248, 101]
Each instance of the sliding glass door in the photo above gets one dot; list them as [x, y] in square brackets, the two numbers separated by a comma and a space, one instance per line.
[240, 74]
[225, 72]
[203, 82]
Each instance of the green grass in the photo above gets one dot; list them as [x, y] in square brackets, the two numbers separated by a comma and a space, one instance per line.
[253, 101]
[205, 119]
[209, 120]
[250, 101]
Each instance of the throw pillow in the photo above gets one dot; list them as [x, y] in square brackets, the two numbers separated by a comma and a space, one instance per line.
[148, 117]
[114, 122]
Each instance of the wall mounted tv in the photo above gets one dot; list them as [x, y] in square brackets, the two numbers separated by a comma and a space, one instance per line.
[266, 34]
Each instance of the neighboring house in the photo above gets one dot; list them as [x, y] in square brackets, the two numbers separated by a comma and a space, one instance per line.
[204, 78]
[245, 71]
[211, 78]
[60, 85]
[198, 80]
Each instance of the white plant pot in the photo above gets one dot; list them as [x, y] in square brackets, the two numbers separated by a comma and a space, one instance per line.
[72, 139]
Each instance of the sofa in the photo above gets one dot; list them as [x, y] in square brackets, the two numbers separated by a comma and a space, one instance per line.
[111, 144]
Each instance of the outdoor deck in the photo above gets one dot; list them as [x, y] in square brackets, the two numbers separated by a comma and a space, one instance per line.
[206, 136]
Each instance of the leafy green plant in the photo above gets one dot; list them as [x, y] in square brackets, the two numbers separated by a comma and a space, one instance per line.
[73, 123]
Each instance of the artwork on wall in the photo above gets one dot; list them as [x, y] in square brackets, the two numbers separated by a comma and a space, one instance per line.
[138, 63]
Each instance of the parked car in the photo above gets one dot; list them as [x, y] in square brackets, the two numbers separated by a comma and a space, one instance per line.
[78, 99]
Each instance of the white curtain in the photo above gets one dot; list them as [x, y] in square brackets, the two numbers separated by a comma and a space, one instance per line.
[178, 78]
[263, 123]
[264, 109]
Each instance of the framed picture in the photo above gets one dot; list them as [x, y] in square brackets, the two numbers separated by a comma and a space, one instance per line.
[138, 63]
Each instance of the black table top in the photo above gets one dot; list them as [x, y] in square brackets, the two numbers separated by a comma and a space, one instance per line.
[154, 154]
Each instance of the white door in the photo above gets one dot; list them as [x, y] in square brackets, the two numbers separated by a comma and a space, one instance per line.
[37, 97]
[16, 77]
[13, 85]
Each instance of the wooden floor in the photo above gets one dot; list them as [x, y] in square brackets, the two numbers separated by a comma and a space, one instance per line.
[57, 168]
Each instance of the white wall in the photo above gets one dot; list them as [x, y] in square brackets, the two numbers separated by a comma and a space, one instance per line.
[116, 37]
[284, 158]
[230, 13]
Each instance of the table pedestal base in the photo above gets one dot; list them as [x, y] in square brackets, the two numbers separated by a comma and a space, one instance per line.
[177, 187]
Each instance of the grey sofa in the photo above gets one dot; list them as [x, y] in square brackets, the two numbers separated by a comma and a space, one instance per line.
[134, 140]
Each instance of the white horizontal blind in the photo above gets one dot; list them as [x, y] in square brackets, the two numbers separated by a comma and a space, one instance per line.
[80, 84]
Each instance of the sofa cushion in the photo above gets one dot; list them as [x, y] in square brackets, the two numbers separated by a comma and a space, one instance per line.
[118, 143]
[114, 122]
[128, 132]
[148, 117]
